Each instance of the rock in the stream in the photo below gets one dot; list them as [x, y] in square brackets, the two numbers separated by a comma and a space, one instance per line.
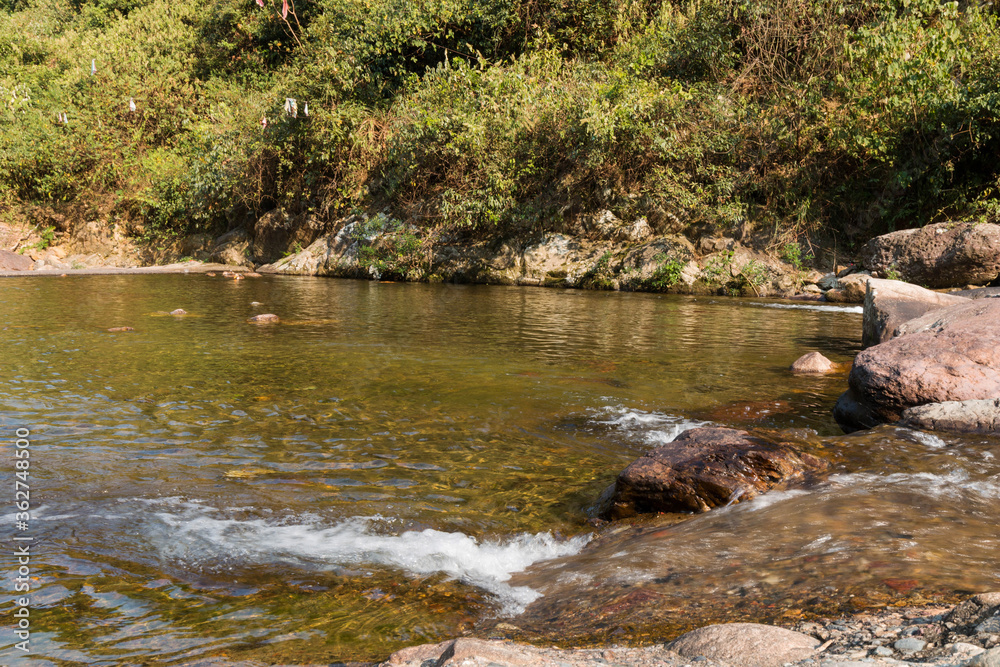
[949, 254]
[178, 312]
[705, 468]
[812, 362]
[265, 318]
[890, 303]
[952, 354]
[746, 644]
[981, 416]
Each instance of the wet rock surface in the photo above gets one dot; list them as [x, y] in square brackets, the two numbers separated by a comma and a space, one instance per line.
[952, 354]
[705, 468]
[981, 416]
[949, 254]
[812, 362]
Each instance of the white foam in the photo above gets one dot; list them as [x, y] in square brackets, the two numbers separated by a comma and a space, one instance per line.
[774, 497]
[655, 428]
[926, 439]
[955, 484]
[195, 538]
[809, 306]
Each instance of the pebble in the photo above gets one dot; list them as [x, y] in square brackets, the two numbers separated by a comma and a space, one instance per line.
[883, 651]
[910, 645]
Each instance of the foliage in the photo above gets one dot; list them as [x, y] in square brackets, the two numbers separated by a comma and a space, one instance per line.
[667, 273]
[793, 254]
[773, 119]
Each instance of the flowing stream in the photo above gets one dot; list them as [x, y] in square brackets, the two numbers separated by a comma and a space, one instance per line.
[395, 464]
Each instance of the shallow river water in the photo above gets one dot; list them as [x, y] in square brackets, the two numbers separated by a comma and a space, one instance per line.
[395, 464]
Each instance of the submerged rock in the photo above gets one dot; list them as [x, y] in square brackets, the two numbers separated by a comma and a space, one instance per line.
[705, 468]
[949, 254]
[981, 416]
[120, 329]
[746, 644]
[890, 303]
[812, 362]
[264, 318]
[951, 354]
[178, 312]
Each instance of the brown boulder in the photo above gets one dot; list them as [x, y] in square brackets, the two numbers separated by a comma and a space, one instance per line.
[264, 318]
[812, 362]
[949, 254]
[11, 261]
[957, 416]
[705, 468]
[951, 354]
[890, 303]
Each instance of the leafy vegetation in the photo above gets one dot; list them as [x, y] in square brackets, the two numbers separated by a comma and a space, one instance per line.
[778, 118]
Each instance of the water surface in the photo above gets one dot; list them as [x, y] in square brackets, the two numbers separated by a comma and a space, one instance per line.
[399, 463]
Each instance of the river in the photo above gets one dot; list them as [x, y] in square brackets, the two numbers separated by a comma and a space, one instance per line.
[400, 463]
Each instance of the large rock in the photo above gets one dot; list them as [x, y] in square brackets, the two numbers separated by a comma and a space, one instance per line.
[705, 468]
[746, 645]
[11, 261]
[232, 248]
[944, 255]
[956, 416]
[276, 234]
[951, 354]
[557, 259]
[890, 303]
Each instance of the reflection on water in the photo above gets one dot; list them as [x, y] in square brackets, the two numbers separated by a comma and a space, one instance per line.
[397, 463]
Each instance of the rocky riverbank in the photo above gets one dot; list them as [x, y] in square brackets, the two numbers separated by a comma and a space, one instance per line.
[963, 635]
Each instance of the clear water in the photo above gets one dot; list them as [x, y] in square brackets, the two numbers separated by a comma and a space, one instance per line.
[395, 464]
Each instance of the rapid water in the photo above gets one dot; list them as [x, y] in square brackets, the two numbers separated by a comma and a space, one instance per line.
[398, 463]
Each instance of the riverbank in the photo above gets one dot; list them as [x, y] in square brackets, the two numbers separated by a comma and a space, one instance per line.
[929, 635]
